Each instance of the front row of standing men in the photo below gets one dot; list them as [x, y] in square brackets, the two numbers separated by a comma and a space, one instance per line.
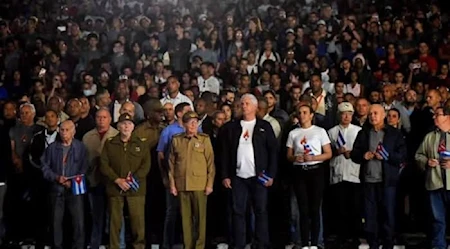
[249, 154]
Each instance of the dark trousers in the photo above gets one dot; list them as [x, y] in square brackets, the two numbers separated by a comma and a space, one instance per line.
[74, 204]
[170, 222]
[308, 188]
[16, 208]
[243, 190]
[347, 207]
[97, 203]
[379, 212]
[2, 199]
[439, 200]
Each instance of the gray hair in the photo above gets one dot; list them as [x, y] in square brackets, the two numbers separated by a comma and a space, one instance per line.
[31, 106]
[251, 97]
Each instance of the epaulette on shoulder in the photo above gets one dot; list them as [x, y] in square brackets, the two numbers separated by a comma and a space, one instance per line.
[203, 134]
[110, 138]
[179, 135]
[143, 139]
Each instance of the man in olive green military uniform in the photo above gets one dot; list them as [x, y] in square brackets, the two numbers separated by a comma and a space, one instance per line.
[151, 129]
[191, 177]
[126, 157]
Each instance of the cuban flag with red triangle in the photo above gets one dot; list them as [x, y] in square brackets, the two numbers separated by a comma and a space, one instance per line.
[78, 185]
[133, 182]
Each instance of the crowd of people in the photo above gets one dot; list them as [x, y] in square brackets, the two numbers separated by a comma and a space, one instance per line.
[307, 123]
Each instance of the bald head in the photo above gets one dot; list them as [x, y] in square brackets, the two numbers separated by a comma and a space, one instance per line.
[377, 114]
[434, 98]
[263, 108]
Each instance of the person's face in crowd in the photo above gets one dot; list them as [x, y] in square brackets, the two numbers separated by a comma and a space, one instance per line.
[411, 97]
[188, 22]
[444, 92]
[262, 109]
[126, 128]
[299, 32]
[229, 20]
[200, 43]
[230, 97]
[227, 112]
[75, 30]
[186, 78]
[433, 98]
[409, 32]
[128, 108]
[118, 48]
[116, 23]
[173, 85]
[67, 131]
[236, 109]
[322, 29]
[54, 104]
[153, 42]
[230, 32]
[9, 111]
[290, 55]
[393, 118]
[159, 67]
[179, 30]
[122, 39]
[271, 100]
[350, 98]
[219, 120]
[169, 112]
[291, 21]
[296, 93]
[354, 44]
[391, 49]
[316, 83]
[104, 100]
[275, 81]
[185, 109]
[239, 35]
[122, 91]
[103, 119]
[315, 35]
[38, 87]
[62, 77]
[252, 44]
[346, 118]
[439, 117]
[85, 106]
[27, 115]
[346, 65]
[191, 126]
[252, 25]
[167, 73]
[251, 58]
[354, 77]
[16, 76]
[423, 48]
[51, 119]
[265, 77]
[104, 78]
[313, 17]
[54, 58]
[304, 115]
[189, 94]
[362, 107]
[386, 26]
[399, 77]
[373, 28]
[200, 107]
[214, 35]
[248, 106]
[339, 87]
[139, 65]
[137, 48]
[444, 69]
[377, 114]
[204, 70]
[245, 81]
[388, 94]
[74, 108]
[93, 42]
[127, 71]
[243, 64]
[88, 79]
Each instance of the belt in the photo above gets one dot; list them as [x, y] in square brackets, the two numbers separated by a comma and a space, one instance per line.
[308, 167]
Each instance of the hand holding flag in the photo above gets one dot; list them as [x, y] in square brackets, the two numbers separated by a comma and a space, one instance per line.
[133, 182]
[78, 184]
[381, 152]
[340, 141]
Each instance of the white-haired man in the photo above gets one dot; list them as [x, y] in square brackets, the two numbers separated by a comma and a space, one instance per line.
[248, 164]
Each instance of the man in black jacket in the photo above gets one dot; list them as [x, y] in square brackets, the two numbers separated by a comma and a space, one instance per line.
[381, 151]
[249, 149]
[40, 141]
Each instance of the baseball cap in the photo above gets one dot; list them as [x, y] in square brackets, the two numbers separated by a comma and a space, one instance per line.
[125, 117]
[289, 31]
[345, 107]
[189, 115]
[321, 22]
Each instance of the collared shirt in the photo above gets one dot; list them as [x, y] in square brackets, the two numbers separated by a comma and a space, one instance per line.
[374, 169]
[210, 84]
[321, 103]
[167, 135]
[180, 98]
[274, 123]
[49, 139]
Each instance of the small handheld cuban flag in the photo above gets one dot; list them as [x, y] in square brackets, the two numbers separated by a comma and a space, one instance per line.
[133, 182]
[444, 154]
[263, 178]
[78, 185]
[306, 148]
[340, 140]
[382, 151]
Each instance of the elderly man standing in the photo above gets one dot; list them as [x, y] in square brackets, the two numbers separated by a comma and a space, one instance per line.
[64, 164]
[191, 176]
[249, 158]
[380, 150]
[94, 141]
[125, 162]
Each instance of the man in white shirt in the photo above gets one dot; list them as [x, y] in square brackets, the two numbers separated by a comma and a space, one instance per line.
[207, 82]
[174, 95]
[344, 177]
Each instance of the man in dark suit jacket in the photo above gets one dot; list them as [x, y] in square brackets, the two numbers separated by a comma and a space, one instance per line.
[381, 151]
[249, 149]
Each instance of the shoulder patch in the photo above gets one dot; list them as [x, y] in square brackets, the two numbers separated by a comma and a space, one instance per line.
[110, 138]
[143, 139]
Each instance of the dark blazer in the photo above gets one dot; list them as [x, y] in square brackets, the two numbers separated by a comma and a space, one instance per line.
[265, 146]
[395, 145]
[52, 163]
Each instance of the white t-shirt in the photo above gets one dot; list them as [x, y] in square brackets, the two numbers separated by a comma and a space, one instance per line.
[307, 141]
[211, 84]
[245, 153]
